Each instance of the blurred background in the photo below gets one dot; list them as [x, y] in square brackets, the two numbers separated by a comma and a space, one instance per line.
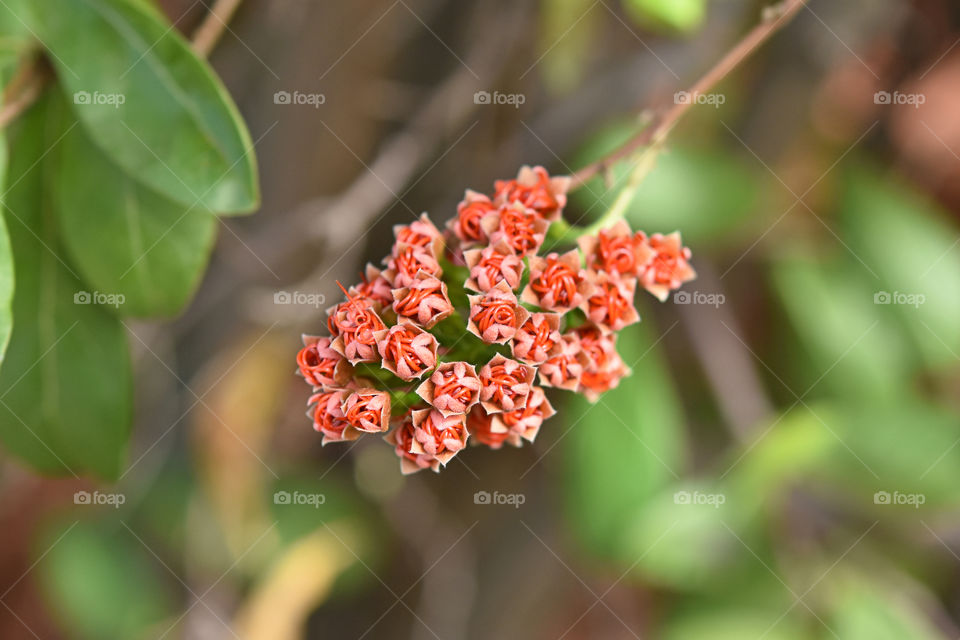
[784, 461]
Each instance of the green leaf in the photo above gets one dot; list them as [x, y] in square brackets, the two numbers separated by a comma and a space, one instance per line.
[124, 237]
[623, 449]
[853, 345]
[677, 15]
[865, 608]
[6, 264]
[15, 37]
[914, 251]
[150, 103]
[65, 388]
[708, 195]
[102, 584]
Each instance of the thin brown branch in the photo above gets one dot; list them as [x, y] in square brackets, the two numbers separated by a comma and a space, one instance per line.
[774, 18]
[207, 35]
[32, 77]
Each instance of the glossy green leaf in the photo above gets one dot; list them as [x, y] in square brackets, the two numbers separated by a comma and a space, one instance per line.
[679, 15]
[706, 194]
[624, 448]
[124, 237]
[65, 388]
[150, 103]
[908, 243]
[102, 583]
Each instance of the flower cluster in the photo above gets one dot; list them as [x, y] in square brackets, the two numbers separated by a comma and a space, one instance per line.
[462, 329]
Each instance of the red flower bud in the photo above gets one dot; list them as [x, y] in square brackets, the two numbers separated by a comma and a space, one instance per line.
[557, 283]
[407, 350]
[525, 422]
[496, 315]
[407, 260]
[367, 410]
[403, 441]
[616, 251]
[320, 365]
[538, 339]
[437, 435]
[610, 306]
[482, 429]
[419, 233]
[466, 226]
[491, 265]
[356, 321]
[505, 384]
[453, 388]
[328, 419]
[521, 228]
[424, 301]
[374, 286]
[536, 190]
[669, 268]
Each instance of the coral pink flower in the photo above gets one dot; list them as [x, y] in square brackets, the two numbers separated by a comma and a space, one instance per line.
[610, 306]
[407, 260]
[437, 435]
[407, 350]
[557, 283]
[506, 384]
[493, 264]
[482, 429]
[535, 189]
[374, 286]
[453, 388]
[599, 379]
[419, 233]
[526, 421]
[424, 300]
[403, 441]
[521, 228]
[538, 339]
[367, 410]
[616, 251]
[466, 226]
[320, 365]
[669, 268]
[356, 321]
[496, 315]
[564, 370]
[599, 347]
[328, 418]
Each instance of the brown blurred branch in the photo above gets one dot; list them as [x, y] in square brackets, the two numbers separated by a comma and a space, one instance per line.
[33, 75]
[774, 18]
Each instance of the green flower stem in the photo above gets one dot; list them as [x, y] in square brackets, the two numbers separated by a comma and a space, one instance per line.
[402, 401]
